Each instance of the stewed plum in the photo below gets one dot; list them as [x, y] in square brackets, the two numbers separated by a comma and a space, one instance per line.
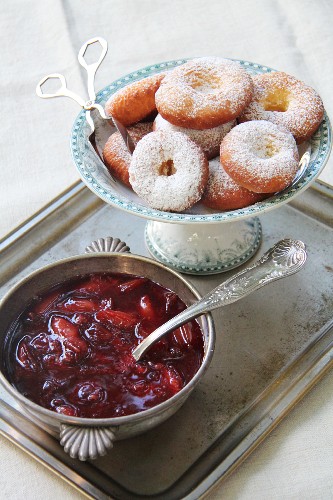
[73, 347]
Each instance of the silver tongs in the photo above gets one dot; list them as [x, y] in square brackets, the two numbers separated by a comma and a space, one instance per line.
[91, 104]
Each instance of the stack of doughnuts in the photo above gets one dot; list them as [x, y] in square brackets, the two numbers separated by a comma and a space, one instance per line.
[116, 155]
[220, 135]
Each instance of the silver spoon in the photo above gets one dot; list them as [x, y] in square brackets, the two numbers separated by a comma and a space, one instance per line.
[285, 258]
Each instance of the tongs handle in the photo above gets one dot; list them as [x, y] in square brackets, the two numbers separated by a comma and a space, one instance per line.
[91, 104]
[93, 67]
[63, 91]
[91, 71]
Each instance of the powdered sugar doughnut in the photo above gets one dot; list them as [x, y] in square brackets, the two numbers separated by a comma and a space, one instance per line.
[116, 155]
[209, 140]
[223, 193]
[134, 102]
[285, 101]
[168, 170]
[260, 156]
[204, 93]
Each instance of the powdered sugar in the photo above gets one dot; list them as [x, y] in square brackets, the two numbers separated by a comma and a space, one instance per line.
[174, 154]
[209, 140]
[218, 179]
[204, 93]
[223, 193]
[257, 154]
[301, 107]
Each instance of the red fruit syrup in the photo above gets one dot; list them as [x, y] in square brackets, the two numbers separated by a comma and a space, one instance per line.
[73, 347]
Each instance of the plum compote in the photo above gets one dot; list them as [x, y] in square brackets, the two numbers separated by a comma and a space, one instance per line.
[73, 347]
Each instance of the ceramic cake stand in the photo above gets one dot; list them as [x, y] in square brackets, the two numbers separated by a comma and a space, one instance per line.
[198, 241]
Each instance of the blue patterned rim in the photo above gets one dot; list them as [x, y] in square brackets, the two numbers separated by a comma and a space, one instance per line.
[92, 170]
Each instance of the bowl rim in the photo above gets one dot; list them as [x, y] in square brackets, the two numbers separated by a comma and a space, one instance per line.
[126, 419]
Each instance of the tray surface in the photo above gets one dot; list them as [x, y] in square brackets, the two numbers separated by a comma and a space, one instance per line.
[95, 175]
[271, 347]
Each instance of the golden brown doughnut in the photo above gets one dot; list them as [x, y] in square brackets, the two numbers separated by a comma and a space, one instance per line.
[260, 156]
[209, 140]
[223, 193]
[204, 93]
[285, 101]
[134, 102]
[117, 157]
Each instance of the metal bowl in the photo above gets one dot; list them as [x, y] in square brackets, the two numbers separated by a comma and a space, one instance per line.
[85, 438]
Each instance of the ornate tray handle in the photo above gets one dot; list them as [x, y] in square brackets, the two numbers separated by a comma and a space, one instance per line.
[86, 442]
[108, 244]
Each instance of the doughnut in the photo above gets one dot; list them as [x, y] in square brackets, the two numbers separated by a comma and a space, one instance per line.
[209, 140]
[116, 156]
[260, 156]
[223, 193]
[204, 93]
[134, 102]
[285, 101]
[168, 171]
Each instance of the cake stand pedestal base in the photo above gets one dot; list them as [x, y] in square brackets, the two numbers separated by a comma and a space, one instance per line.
[203, 248]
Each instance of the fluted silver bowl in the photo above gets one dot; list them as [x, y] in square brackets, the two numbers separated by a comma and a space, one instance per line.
[85, 438]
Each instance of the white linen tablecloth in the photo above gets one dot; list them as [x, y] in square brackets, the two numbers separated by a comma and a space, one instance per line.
[296, 460]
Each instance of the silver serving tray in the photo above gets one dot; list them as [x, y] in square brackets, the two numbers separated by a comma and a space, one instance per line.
[271, 348]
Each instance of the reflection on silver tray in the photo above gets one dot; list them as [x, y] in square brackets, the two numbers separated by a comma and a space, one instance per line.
[271, 348]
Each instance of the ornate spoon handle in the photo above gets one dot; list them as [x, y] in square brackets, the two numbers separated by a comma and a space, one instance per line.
[283, 259]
